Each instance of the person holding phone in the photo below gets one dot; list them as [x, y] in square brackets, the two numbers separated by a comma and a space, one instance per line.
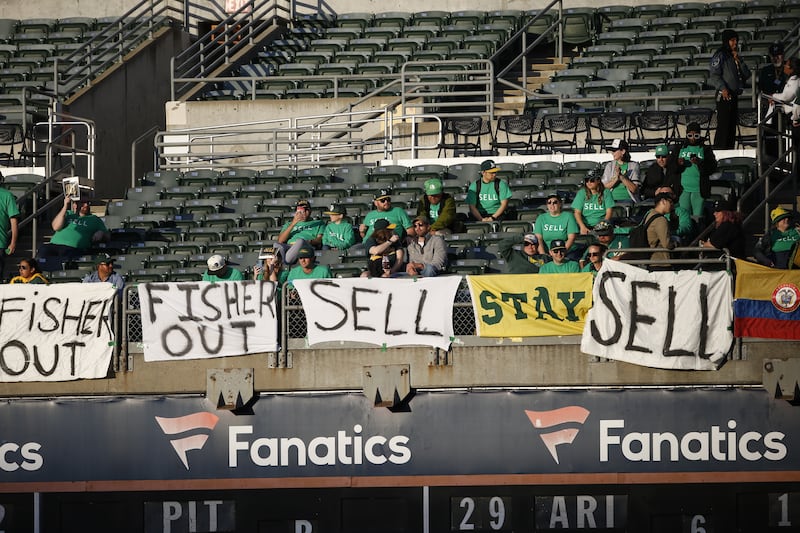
[271, 267]
[696, 162]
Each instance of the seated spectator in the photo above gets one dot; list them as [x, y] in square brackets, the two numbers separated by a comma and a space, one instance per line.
[219, 270]
[560, 264]
[604, 233]
[524, 261]
[728, 233]
[594, 256]
[555, 225]
[696, 162]
[385, 210]
[386, 256]
[487, 196]
[592, 203]
[658, 235]
[681, 223]
[104, 273]
[427, 253]
[338, 233]
[76, 230]
[774, 249]
[621, 175]
[271, 267]
[439, 207]
[307, 267]
[661, 174]
[29, 273]
[301, 229]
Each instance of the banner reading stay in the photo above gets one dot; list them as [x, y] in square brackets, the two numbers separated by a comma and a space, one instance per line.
[200, 320]
[676, 320]
[530, 305]
[394, 312]
[56, 332]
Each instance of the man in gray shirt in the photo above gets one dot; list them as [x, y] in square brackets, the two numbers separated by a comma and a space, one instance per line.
[427, 253]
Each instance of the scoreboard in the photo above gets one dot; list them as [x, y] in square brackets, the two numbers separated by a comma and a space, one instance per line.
[696, 508]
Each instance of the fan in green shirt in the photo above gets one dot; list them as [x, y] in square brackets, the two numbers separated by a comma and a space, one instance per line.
[560, 264]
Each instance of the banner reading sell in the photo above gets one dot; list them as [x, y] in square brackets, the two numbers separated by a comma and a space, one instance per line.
[675, 320]
[201, 320]
[530, 305]
[58, 332]
[394, 312]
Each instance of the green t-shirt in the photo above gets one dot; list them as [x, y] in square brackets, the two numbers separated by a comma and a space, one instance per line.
[339, 236]
[77, 231]
[8, 210]
[783, 242]
[558, 227]
[318, 272]
[593, 209]
[231, 275]
[308, 230]
[690, 177]
[394, 215]
[589, 268]
[567, 267]
[433, 212]
[489, 201]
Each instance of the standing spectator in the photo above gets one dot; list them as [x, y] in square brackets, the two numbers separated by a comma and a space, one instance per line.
[696, 162]
[386, 257]
[621, 175]
[427, 253]
[774, 249]
[439, 207]
[771, 80]
[219, 270]
[661, 174]
[592, 203]
[384, 210]
[787, 99]
[301, 229]
[728, 232]
[488, 196]
[338, 234]
[555, 225]
[104, 273]
[658, 235]
[525, 261]
[728, 74]
[29, 273]
[307, 267]
[594, 256]
[560, 264]
[76, 229]
[9, 226]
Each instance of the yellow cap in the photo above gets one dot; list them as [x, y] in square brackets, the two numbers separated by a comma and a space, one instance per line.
[779, 214]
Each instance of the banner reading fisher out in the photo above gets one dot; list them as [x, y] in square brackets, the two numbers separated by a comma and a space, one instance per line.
[675, 320]
[391, 312]
[57, 332]
[530, 305]
[201, 320]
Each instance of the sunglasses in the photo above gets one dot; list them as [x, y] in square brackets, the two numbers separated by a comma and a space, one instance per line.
[693, 135]
[594, 254]
[661, 157]
[419, 225]
[529, 243]
[384, 200]
[559, 251]
[589, 180]
[553, 202]
[23, 267]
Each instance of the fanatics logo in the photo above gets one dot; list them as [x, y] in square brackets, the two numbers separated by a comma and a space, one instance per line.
[182, 424]
[557, 417]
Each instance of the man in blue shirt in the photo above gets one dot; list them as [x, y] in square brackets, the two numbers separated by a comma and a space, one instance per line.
[104, 273]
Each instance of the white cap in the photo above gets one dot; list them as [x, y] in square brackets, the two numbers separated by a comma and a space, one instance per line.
[215, 263]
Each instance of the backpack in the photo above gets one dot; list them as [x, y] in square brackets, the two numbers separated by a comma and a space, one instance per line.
[637, 238]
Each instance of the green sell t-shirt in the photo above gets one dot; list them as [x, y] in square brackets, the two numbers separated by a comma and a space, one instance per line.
[394, 215]
[318, 272]
[489, 201]
[592, 209]
[308, 230]
[231, 275]
[558, 227]
[783, 242]
[567, 267]
[339, 236]
[77, 231]
[690, 177]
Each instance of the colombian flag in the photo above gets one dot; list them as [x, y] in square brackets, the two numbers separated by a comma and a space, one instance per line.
[766, 302]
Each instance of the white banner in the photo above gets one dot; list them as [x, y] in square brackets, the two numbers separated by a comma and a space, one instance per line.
[201, 320]
[59, 332]
[675, 320]
[382, 311]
